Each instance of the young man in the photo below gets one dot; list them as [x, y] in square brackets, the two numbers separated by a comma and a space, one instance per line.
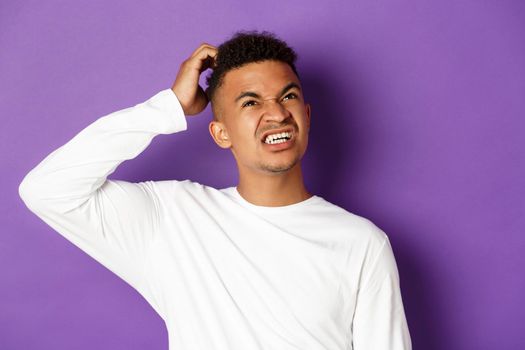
[261, 265]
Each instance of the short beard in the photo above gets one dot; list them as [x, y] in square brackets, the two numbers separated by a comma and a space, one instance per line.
[278, 168]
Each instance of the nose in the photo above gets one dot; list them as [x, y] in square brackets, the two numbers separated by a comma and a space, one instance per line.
[274, 110]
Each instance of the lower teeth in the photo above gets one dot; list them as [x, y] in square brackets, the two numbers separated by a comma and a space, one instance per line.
[278, 141]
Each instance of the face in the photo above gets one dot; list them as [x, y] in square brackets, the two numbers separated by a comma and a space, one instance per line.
[257, 100]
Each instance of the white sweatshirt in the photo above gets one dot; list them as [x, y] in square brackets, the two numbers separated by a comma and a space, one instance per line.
[224, 274]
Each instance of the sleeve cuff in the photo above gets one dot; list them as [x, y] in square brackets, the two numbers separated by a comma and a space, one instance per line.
[170, 102]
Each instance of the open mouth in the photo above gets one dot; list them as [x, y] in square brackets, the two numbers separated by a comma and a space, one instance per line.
[277, 138]
[278, 142]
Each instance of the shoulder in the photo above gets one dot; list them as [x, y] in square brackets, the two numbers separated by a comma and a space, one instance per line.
[354, 226]
[169, 185]
[189, 189]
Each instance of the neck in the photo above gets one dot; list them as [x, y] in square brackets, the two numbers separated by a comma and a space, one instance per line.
[273, 189]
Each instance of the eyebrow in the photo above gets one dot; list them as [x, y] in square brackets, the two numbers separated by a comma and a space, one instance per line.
[253, 94]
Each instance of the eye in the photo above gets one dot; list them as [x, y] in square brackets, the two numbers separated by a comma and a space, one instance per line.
[246, 103]
[291, 94]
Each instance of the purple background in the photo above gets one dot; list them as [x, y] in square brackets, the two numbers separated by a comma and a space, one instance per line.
[417, 124]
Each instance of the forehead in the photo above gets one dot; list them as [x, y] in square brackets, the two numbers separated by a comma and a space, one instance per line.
[264, 77]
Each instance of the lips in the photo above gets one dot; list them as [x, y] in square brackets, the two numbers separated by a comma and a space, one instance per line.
[276, 131]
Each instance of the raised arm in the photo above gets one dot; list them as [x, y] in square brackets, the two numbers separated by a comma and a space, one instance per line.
[111, 220]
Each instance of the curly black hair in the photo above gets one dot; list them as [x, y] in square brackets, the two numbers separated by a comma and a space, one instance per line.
[247, 46]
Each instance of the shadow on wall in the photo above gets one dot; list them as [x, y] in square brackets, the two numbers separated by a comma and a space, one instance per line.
[331, 143]
[423, 296]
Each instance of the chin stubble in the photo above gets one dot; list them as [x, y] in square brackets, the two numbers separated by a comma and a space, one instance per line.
[278, 168]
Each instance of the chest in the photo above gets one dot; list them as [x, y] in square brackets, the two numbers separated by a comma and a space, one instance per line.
[265, 271]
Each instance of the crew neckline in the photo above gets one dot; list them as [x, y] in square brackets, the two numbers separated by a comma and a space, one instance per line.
[233, 190]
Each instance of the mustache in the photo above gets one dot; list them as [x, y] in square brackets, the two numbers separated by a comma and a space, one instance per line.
[283, 126]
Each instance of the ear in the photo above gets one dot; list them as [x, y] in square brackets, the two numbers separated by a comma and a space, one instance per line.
[219, 134]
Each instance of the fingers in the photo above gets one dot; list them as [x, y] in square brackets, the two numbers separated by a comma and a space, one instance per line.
[203, 57]
[204, 46]
[186, 86]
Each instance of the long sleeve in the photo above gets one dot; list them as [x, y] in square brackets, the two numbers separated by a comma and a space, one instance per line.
[379, 320]
[111, 220]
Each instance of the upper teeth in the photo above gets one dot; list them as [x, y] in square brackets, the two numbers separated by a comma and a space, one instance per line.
[273, 137]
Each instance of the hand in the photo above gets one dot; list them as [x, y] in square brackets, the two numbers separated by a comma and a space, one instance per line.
[186, 86]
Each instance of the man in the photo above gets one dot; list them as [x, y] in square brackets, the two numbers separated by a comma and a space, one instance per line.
[261, 265]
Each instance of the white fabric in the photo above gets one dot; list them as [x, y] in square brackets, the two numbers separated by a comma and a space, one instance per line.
[223, 273]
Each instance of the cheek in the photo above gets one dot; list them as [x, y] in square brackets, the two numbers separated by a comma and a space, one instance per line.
[245, 139]
[246, 129]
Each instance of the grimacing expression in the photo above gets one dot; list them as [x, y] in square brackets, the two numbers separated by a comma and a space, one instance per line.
[253, 101]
